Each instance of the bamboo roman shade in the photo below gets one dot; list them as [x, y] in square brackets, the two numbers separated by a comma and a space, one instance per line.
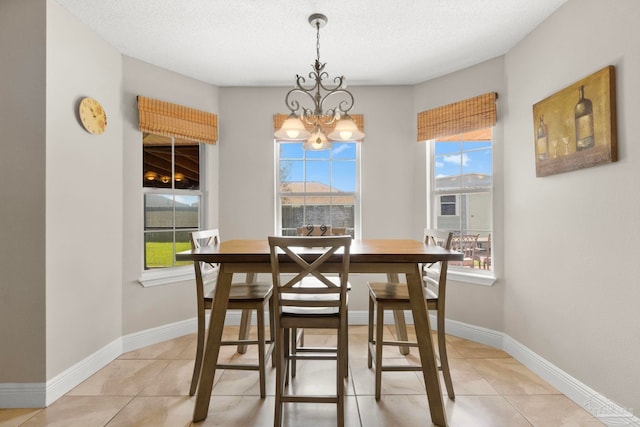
[463, 116]
[278, 119]
[164, 118]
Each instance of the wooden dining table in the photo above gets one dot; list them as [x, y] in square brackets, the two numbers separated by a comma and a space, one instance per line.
[387, 256]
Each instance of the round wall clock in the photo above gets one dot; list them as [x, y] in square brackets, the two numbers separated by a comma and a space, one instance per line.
[92, 116]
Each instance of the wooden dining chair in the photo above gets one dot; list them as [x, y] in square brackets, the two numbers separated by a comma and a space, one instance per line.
[297, 335]
[468, 245]
[395, 296]
[485, 258]
[243, 296]
[323, 305]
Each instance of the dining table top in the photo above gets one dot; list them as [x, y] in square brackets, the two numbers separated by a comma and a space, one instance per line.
[361, 251]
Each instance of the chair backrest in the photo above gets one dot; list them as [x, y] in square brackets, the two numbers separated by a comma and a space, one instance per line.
[314, 230]
[435, 274]
[321, 230]
[206, 273]
[465, 243]
[303, 257]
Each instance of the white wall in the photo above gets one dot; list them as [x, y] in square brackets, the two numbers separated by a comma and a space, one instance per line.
[473, 304]
[22, 191]
[84, 194]
[145, 308]
[571, 276]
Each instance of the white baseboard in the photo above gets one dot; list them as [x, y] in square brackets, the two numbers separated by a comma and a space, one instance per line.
[38, 394]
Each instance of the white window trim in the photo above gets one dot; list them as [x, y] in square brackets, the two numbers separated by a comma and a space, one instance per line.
[165, 276]
[477, 277]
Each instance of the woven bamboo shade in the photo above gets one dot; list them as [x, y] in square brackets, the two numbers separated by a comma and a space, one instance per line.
[463, 116]
[164, 118]
[278, 119]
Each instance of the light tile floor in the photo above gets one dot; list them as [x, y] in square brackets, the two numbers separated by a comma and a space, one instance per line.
[149, 387]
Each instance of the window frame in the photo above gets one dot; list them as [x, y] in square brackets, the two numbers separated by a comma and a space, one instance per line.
[278, 195]
[433, 205]
[166, 275]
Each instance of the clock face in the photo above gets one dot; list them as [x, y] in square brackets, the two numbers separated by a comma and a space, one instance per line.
[92, 116]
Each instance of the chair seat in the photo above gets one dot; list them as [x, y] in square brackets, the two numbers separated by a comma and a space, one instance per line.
[254, 292]
[396, 292]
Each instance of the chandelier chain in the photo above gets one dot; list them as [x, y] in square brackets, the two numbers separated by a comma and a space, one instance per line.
[318, 41]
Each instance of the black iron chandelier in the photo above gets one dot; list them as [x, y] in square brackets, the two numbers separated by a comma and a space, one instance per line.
[332, 124]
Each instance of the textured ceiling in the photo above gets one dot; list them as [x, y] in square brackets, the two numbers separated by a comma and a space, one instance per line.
[266, 43]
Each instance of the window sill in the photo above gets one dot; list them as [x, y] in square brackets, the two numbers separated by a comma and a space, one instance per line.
[477, 277]
[164, 276]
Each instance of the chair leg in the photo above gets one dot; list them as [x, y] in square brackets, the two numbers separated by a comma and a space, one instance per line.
[243, 333]
[261, 349]
[272, 328]
[294, 347]
[340, 374]
[370, 333]
[345, 343]
[378, 355]
[444, 360]
[286, 352]
[199, 353]
[280, 377]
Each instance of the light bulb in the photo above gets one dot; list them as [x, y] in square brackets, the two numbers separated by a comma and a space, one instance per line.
[346, 134]
[293, 133]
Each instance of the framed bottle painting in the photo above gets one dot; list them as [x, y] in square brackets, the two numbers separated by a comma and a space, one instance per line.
[575, 128]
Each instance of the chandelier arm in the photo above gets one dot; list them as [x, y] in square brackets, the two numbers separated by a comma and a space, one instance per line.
[345, 105]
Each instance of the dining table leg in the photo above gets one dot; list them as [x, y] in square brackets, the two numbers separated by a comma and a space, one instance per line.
[245, 319]
[425, 346]
[212, 347]
[398, 318]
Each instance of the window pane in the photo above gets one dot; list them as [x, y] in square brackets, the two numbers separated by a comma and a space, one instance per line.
[158, 211]
[157, 164]
[317, 176]
[291, 173]
[343, 151]
[447, 147]
[183, 243]
[343, 215]
[187, 167]
[187, 211]
[291, 150]
[292, 212]
[477, 170]
[343, 176]
[317, 210]
[322, 154]
[158, 249]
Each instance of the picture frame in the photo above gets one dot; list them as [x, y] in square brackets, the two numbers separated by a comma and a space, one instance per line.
[575, 127]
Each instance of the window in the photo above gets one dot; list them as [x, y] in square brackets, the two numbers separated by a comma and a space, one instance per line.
[447, 205]
[317, 187]
[461, 192]
[172, 198]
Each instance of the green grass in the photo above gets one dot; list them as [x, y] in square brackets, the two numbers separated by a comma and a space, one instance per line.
[160, 254]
